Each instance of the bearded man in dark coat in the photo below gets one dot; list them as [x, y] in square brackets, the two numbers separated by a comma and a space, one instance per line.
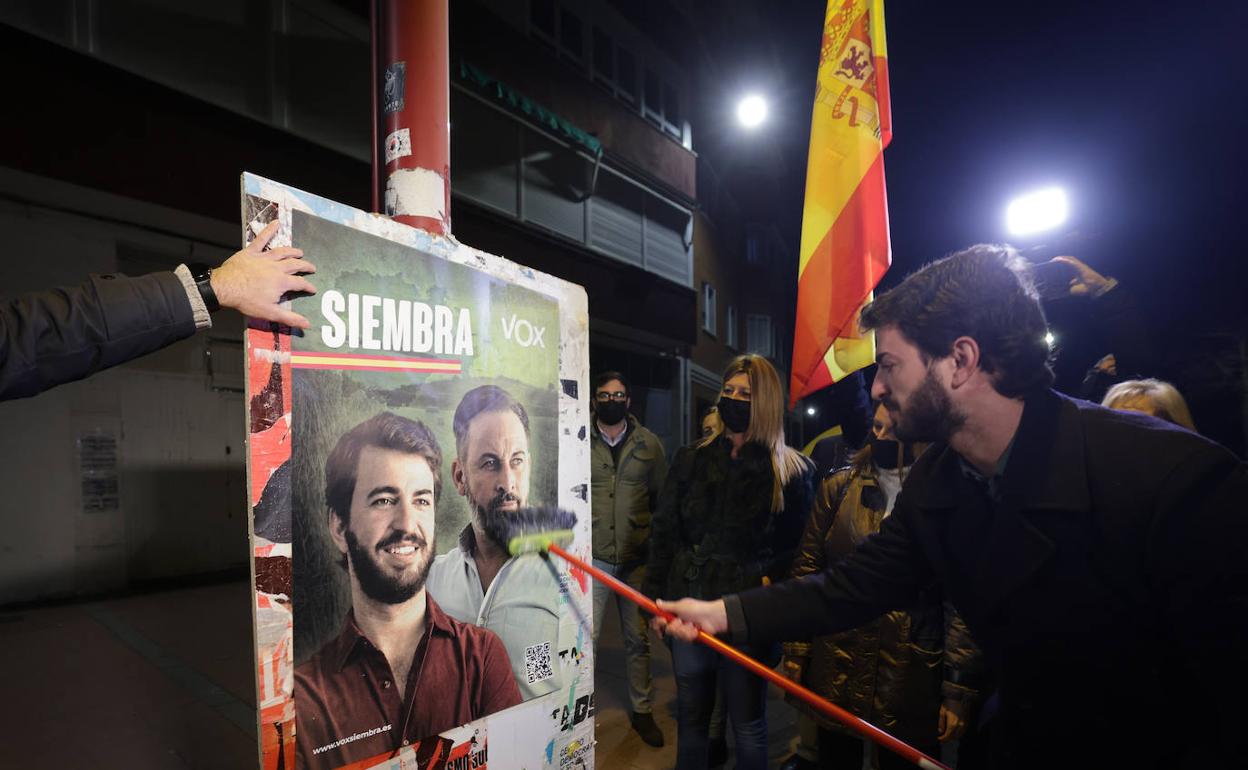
[1099, 558]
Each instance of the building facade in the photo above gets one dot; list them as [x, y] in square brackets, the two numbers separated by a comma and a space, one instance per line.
[573, 151]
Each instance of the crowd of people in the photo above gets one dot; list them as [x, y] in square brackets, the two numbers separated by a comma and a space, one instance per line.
[1055, 582]
[1037, 576]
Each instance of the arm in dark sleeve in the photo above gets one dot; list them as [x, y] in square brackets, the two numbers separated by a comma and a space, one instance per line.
[1096, 383]
[665, 526]
[51, 337]
[799, 495]
[1126, 332]
[886, 572]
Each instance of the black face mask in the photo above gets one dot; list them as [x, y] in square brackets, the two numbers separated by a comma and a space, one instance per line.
[884, 453]
[612, 412]
[735, 414]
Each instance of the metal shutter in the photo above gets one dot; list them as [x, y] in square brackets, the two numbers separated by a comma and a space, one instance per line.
[615, 218]
[666, 230]
[554, 186]
[484, 145]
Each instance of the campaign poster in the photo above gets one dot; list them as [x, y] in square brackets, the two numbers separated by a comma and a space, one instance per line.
[439, 395]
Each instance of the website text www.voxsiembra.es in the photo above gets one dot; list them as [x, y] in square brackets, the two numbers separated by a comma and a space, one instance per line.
[350, 738]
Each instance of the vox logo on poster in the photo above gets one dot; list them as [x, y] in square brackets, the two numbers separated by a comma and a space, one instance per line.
[523, 332]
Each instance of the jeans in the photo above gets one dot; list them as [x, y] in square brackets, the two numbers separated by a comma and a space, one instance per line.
[698, 669]
[633, 625]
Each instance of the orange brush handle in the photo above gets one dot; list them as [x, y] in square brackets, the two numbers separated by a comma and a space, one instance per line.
[863, 728]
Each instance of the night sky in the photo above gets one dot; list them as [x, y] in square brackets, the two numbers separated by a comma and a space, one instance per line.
[1137, 109]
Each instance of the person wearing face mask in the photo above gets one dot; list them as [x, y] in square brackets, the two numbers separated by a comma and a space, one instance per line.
[729, 517]
[1097, 556]
[627, 469]
[915, 673]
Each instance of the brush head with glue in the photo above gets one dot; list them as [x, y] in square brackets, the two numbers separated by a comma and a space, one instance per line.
[533, 530]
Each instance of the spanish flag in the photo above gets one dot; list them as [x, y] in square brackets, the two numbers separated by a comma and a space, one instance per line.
[845, 247]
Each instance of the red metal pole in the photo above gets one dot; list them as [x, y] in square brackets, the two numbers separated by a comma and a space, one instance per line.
[376, 157]
[415, 112]
[860, 726]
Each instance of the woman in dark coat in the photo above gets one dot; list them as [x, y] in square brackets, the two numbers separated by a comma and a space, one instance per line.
[912, 673]
[729, 518]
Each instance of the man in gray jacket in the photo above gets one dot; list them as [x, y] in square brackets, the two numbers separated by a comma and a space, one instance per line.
[628, 467]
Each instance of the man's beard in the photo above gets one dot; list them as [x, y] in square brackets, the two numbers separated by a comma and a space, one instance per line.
[378, 583]
[497, 524]
[930, 415]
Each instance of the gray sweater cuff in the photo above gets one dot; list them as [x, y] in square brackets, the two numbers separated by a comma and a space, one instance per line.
[738, 629]
[198, 309]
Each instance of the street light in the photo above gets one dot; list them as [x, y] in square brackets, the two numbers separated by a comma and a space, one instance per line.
[752, 111]
[1036, 212]
[810, 411]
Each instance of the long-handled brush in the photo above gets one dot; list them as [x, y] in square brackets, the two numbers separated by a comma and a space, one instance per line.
[542, 530]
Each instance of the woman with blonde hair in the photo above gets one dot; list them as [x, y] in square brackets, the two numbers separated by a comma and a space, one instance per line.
[1153, 397]
[729, 518]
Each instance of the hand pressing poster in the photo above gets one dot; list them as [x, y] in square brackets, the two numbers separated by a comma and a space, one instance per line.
[436, 396]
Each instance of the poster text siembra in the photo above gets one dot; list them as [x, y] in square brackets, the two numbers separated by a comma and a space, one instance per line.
[382, 323]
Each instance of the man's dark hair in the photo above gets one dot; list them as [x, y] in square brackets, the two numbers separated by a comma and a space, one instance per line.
[384, 431]
[604, 377]
[485, 398]
[981, 293]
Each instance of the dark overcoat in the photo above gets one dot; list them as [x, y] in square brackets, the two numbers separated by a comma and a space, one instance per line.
[1106, 582]
[60, 335]
[714, 531]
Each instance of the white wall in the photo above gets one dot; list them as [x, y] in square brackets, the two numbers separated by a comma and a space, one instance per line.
[182, 507]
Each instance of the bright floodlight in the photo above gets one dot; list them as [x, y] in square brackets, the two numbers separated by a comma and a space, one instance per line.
[810, 410]
[1036, 212]
[752, 111]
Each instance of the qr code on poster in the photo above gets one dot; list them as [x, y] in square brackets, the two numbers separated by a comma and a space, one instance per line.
[537, 662]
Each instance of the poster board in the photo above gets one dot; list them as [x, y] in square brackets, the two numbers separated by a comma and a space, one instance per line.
[437, 387]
